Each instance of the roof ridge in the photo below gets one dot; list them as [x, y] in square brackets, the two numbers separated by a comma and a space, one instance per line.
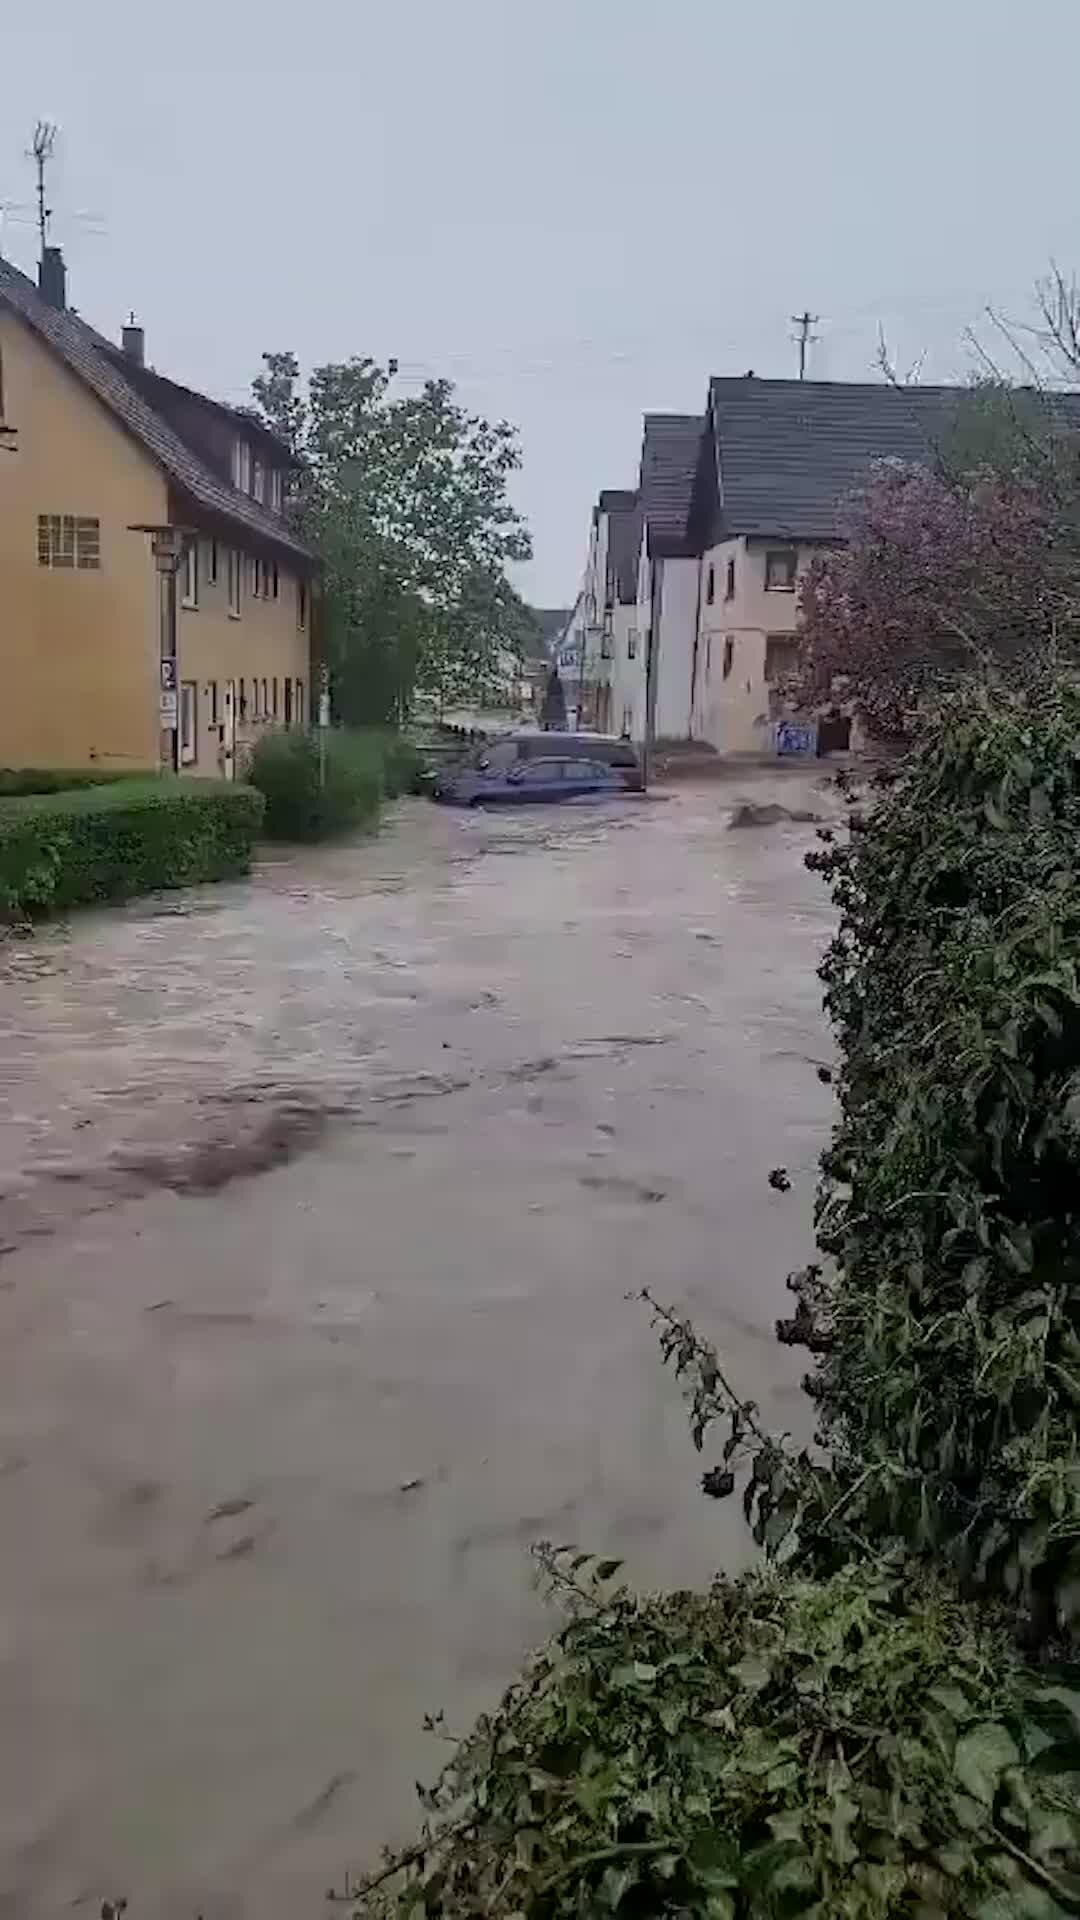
[82, 349]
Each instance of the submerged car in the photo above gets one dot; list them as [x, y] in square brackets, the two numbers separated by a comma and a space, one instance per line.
[530, 782]
[508, 750]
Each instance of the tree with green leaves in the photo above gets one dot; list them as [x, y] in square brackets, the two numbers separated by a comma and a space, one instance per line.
[406, 499]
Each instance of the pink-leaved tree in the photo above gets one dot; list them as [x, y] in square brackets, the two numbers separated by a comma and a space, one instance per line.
[942, 576]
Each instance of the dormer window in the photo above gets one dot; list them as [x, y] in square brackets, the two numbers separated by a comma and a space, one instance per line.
[241, 466]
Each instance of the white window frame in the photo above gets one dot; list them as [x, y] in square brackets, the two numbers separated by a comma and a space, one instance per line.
[241, 466]
[189, 594]
[277, 490]
[258, 480]
[788, 559]
[188, 717]
[235, 578]
[69, 541]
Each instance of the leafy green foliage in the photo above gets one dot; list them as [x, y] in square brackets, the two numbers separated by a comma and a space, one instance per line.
[406, 499]
[948, 1325]
[848, 1747]
[313, 789]
[132, 836]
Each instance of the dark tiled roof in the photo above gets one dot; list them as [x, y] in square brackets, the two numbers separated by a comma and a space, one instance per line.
[624, 545]
[90, 358]
[790, 450]
[669, 455]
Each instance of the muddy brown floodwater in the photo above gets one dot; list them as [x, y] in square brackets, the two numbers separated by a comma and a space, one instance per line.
[319, 1199]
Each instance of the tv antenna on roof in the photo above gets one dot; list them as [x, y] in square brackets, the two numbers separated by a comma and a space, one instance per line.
[41, 152]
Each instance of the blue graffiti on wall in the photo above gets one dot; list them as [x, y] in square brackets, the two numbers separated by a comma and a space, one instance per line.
[794, 736]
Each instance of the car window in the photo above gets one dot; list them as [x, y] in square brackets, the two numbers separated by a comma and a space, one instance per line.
[545, 770]
[501, 756]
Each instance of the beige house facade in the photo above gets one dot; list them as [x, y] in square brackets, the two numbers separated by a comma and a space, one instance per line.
[95, 445]
[746, 641]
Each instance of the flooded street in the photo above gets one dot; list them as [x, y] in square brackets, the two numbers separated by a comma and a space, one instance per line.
[321, 1195]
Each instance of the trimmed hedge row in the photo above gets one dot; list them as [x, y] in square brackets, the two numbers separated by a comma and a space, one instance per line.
[129, 837]
[15, 781]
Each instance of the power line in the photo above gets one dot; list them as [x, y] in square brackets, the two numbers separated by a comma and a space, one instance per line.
[804, 321]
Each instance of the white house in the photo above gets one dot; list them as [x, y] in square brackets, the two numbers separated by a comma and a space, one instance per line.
[729, 511]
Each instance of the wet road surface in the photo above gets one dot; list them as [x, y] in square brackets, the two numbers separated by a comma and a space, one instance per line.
[319, 1199]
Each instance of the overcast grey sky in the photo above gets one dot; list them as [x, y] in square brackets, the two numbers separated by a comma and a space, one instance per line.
[577, 209]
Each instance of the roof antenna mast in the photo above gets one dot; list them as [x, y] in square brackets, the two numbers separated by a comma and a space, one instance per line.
[41, 152]
[804, 338]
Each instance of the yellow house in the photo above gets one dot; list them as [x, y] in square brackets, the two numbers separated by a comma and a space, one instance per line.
[94, 444]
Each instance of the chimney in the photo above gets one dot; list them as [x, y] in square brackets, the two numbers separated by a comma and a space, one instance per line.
[52, 278]
[133, 341]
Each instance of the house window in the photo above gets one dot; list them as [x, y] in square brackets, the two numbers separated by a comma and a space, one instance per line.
[212, 703]
[288, 703]
[780, 571]
[189, 710]
[710, 586]
[68, 540]
[255, 576]
[211, 562]
[299, 705]
[189, 593]
[266, 699]
[729, 590]
[277, 490]
[241, 469]
[301, 603]
[631, 644]
[233, 563]
[242, 700]
[781, 655]
[274, 583]
[729, 655]
[87, 541]
[273, 696]
[258, 480]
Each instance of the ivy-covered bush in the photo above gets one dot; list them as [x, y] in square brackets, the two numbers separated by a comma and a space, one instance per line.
[947, 1323]
[854, 1747]
[106, 843]
[315, 789]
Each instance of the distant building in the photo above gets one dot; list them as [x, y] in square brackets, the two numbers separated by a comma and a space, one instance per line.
[102, 442]
[730, 508]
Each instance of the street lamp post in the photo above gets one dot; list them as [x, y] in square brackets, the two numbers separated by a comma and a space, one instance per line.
[168, 545]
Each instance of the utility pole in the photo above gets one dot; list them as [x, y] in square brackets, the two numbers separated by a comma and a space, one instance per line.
[41, 152]
[804, 321]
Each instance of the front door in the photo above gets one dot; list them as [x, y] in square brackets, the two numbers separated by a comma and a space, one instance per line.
[228, 731]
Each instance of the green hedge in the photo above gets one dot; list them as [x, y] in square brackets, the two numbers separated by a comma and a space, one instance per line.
[15, 781]
[129, 837]
[306, 800]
